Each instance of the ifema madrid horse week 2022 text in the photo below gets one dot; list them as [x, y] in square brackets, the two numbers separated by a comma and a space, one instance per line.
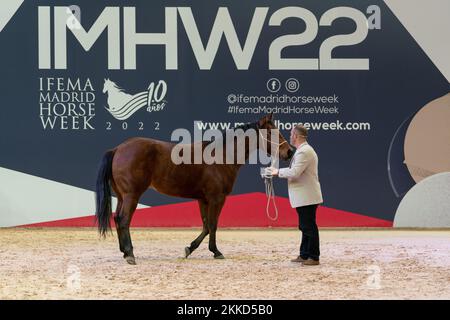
[215, 159]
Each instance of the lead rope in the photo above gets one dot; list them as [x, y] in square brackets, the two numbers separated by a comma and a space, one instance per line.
[270, 194]
[268, 181]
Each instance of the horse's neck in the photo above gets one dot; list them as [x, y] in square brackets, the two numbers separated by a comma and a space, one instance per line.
[247, 151]
[116, 94]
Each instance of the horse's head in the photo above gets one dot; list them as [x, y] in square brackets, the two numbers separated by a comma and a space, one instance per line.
[285, 151]
[108, 84]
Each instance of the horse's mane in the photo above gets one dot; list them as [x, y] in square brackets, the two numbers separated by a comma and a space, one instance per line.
[248, 125]
[116, 86]
[244, 127]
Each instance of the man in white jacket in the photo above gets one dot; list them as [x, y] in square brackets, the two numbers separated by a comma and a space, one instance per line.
[304, 193]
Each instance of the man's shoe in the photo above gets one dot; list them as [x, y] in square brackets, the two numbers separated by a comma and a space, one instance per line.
[311, 262]
[298, 259]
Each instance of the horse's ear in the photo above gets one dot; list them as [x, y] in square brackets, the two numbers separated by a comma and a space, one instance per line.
[265, 119]
[262, 121]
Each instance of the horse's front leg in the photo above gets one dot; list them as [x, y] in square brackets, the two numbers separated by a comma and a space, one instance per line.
[194, 244]
[214, 208]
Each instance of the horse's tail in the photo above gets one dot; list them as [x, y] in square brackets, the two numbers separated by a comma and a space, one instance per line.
[103, 210]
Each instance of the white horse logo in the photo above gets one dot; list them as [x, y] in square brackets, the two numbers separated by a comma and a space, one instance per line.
[122, 105]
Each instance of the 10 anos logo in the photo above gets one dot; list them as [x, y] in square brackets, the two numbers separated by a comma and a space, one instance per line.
[156, 95]
[123, 105]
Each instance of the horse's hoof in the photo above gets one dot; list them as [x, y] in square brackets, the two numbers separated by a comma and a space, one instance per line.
[220, 256]
[187, 252]
[130, 260]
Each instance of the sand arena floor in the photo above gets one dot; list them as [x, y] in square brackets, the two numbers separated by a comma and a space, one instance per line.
[356, 264]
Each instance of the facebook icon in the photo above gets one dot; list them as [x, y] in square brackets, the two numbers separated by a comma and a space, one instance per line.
[273, 85]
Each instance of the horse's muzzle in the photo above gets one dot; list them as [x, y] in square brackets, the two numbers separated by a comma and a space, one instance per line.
[290, 153]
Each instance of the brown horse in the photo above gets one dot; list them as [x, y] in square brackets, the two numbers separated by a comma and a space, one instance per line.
[141, 163]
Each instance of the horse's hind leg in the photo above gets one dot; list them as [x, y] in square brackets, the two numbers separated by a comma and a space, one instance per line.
[123, 220]
[117, 213]
[194, 244]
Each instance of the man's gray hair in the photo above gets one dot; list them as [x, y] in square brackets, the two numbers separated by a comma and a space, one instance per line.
[301, 131]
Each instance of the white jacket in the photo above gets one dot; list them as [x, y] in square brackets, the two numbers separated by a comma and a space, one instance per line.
[303, 180]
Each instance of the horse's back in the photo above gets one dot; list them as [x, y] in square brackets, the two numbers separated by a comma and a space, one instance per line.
[147, 163]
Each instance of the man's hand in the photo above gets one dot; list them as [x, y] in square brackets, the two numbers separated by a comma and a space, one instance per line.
[273, 171]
